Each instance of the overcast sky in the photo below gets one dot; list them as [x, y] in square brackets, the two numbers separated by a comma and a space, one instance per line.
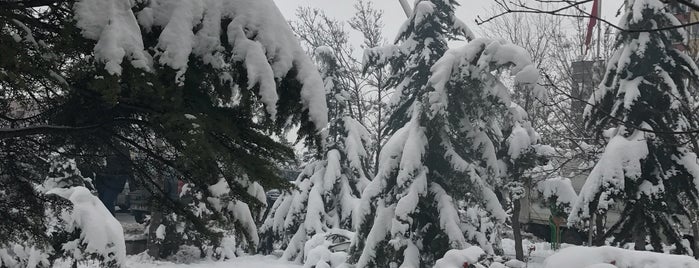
[394, 16]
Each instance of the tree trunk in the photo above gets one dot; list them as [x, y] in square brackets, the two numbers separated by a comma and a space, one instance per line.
[517, 230]
[154, 243]
[695, 234]
[639, 238]
[156, 219]
[590, 231]
[599, 229]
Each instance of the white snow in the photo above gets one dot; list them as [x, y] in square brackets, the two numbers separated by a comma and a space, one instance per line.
[160, 232]
[356, 138]
[258, 69]
[256, 261]
[583, 257]
[691, 163]
[260, 36]
[23, 256]
[378, 232]
[456, 258]
[177, 39]
[519, 141]
[423, 10]
[448, 216]
[318, 253]
[114, 26]
[558, 187]
[100, 232]
[621, 159]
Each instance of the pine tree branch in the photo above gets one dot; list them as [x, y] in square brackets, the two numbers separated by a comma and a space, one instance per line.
[615, 119]
[6, 133]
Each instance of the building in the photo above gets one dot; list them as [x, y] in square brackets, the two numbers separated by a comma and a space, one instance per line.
[690, 17]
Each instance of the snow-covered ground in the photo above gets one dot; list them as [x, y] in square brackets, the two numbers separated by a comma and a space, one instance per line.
[536, 252]
[612, 257]
[258, 261]
[570, 256]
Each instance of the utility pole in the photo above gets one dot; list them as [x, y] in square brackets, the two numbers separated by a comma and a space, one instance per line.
[406, 8]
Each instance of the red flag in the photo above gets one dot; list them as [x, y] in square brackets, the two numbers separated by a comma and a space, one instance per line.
[592, 23]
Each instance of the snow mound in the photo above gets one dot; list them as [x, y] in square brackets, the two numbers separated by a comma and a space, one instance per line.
[602, 265]
[456, 258]
[586, 257]
[319, 251]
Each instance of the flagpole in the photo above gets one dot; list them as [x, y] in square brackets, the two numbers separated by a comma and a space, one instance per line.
[594, 15]
[599, 28]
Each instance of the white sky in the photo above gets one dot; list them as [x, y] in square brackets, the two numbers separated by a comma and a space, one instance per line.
[394, 16]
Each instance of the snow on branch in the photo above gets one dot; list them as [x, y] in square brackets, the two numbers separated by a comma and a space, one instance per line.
[258, 34]
[622, 159]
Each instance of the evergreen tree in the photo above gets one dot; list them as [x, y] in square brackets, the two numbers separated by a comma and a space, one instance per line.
[328, 189]
[209, 80]
[646, 166]
[434, 190]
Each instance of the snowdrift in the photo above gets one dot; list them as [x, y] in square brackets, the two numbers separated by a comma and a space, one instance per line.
[586, 257]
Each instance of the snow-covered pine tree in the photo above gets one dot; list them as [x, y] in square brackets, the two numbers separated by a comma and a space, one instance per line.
[211, 79]
[644, 98]
[446, 125]
[220, 73]
[328, 189]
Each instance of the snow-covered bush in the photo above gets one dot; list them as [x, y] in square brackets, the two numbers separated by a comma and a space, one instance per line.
[558, 193]
[321, 250]
[101, 236]
[229, 223]
[20, 255]
[76, 225]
